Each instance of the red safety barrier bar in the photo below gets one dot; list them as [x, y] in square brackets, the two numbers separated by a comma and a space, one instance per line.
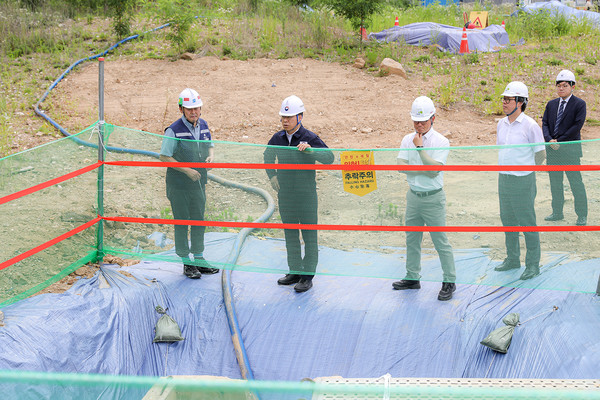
[48, 243]
[265, 225]
[359, 167]
[49, 183]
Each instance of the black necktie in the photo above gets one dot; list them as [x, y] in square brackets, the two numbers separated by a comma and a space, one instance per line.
[559, 116]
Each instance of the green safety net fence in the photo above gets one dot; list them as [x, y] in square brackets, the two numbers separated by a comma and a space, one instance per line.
[86, 386]
[360, 211]
[46, 233]
[52, 232]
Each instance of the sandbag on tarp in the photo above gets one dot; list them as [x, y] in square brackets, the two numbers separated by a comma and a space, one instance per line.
[492, 38]
[557, 8]
[166, 329]
[499, 339]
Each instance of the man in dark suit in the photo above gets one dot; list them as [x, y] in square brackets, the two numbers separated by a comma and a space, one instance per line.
[562, 122]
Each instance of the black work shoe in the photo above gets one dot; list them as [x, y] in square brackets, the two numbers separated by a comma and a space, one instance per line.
[530, 272]
[507, 266]
[289, 279]
[406, 284]
[191, 271]
[581, 221]
[554, 217]
[208, 270]
[204, 267]
[303, 285]
[446, 292]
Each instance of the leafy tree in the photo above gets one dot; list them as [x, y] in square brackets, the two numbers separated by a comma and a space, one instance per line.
[33, 5]
[181, 16]
[122, 13]
[357, 11]
[299, 3]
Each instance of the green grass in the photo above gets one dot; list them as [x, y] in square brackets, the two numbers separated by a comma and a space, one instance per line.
[4, 133]
[592, 122]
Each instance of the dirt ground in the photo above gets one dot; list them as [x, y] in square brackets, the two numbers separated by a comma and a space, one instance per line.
[347, 107]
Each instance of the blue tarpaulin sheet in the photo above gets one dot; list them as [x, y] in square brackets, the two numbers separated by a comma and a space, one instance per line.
[350, 326]
[556, 7]
[492, 38]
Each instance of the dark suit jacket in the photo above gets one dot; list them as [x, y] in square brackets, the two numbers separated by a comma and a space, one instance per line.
[568, 130]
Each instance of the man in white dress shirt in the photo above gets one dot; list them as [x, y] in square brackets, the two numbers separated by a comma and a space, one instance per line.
[517, 189]
[426, 200]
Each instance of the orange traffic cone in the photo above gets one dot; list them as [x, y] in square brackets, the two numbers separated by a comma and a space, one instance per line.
[396, 23]
[464, 43]
[363, 33]
[503, 26]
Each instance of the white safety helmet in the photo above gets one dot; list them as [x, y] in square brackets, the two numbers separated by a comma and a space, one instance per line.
[291, 106]
[516, 89]
[565, 76]
[189, 98]
[422, 109]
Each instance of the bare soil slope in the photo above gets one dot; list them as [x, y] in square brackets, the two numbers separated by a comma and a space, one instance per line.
[347, 107]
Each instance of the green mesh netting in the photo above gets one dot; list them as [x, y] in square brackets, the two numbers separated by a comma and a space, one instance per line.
[347, 202]
[138, 192]
[86, 386]
[31, 221]
[471, 201]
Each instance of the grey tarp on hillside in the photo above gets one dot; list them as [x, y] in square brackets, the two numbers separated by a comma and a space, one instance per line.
[557, 8]
[492, 38]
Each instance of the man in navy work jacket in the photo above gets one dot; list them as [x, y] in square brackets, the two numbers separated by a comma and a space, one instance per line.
[562, 122]
[188, 140]
[297, 190]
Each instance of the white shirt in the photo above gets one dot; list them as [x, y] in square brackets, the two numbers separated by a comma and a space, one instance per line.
[523, 131]
[436, 146]
[560, 100]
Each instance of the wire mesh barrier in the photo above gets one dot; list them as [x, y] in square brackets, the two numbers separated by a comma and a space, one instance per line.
[357, 202]
[360, 212]
[48, 198]
[352, 217]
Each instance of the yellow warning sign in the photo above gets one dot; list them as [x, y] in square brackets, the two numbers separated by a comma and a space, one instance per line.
[358, 182]
[479, 19]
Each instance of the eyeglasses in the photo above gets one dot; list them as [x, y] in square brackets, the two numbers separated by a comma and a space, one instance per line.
[422, 122]
[507, 100]
[563, 85]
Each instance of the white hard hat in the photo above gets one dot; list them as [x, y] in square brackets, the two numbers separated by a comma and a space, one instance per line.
[565, 75]
[291, 106]
[422, 109]
[189, 98]
[516, 89]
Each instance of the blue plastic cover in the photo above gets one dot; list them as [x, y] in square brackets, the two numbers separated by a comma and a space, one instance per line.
[348, 326]
[426, 3]
[561, 9]
[492, 38]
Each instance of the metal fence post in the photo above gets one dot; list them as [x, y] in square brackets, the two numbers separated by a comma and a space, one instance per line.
[100, 230]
